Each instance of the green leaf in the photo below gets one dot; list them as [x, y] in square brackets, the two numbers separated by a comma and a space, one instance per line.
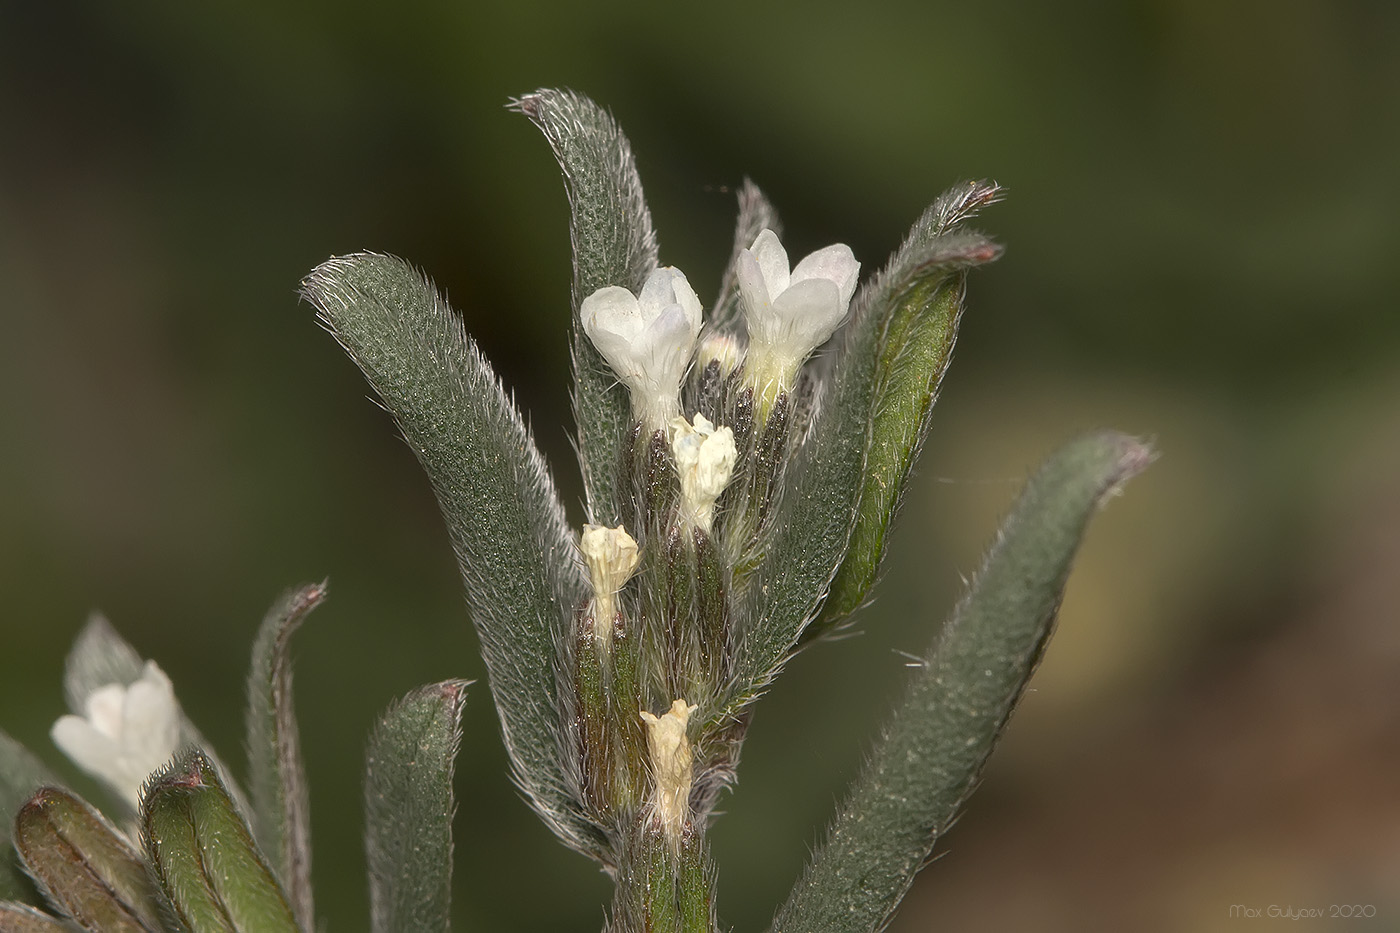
[756, 212]
[960, 699]
[925, 302]
[868, 428]
[516, 554]
[408, 809]
[613, 244]
[21, 918]
[84, 866]
[21, 774]
[203, 856]
[281, 812]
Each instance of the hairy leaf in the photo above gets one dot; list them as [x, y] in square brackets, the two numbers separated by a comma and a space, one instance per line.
[923, 292]
[203, 856]
[277, 779]
[84, 866]
[21, 774]
[408, 809]
[516, 555]
[613, 244]
[959, 700]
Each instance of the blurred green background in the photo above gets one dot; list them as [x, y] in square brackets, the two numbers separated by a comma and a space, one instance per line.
[1201, 229]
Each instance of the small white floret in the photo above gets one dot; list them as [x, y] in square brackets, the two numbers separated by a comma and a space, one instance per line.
[789, 313]
[647, 339]
[705, 457]
[125, 734]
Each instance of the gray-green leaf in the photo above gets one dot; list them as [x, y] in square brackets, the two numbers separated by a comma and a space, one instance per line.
[613, 244]
[408, 809]
[277, 779]
[21, 774]
[203, 856]
[958, 702]
[515, 552]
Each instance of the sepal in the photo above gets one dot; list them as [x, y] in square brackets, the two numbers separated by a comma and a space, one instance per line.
[213, 877]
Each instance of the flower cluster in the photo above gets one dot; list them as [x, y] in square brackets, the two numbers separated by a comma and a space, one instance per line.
[709, 414]
[649, 339]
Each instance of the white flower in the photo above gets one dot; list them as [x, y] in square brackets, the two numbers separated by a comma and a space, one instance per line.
[611, 556]
[126, 733]
[648, 340]
[705, 458]
[789, 314]
[671, 765]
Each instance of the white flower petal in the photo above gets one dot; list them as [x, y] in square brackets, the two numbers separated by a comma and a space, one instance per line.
[87, 747]
[151, 724]
[611, 315]
[753, 291]
[810, 311]
[836, 263]
[104, 709]
[772, 260]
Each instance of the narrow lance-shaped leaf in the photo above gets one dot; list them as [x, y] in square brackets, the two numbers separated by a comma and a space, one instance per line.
[756, 213]
[100, 657]
[959, 700]
[202, 854]
[21, 918]
[84, 866]
[408, 809]
[21, 774]
[613, 244]
[277, 779]
[883, 377]
[507, 526]
[916, 344]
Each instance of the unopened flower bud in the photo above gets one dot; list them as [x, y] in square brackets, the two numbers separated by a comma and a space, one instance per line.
[723, 349]
[705, 458]
[671, 766]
